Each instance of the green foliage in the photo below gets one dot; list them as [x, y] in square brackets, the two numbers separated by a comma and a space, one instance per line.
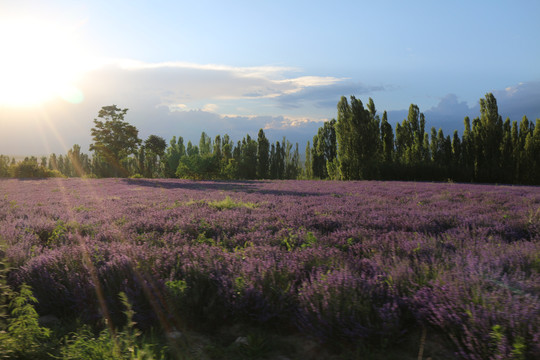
[292, 241]
[29, 168]
[55, 236]
[4, 166]
[21, 336]
[5, 293]
[114, 139]
[58, 232]
[84, 345]
[263, 153]
[257, 345]
[410, 138]
[24, 338]
[229, 203]
[247, 161]
[332, 167]
[309, 241]
[198, 167]
[197, 300]
[203, 239]
[172, 155]
[518, 349]
[367, 148]
[176, 287]
[308, 170]
[205, 144]
[359, 145]
[149, 156]
[498, 337]
[324, 149]
[74, 164]
[123, 344]
[155, 144]
[387, 139]
[358, 138]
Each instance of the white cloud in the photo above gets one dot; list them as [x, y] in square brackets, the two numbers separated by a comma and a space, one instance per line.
[247, 71]
[176, 107]
[168, 99]
[308, 81]
[519, 100]
[187, 83]
[210, 108]
[288, 122]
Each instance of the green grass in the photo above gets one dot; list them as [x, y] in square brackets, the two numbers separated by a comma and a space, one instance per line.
[229, 203]
[225, 204]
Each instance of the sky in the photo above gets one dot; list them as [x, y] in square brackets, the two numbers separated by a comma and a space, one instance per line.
[183, 67]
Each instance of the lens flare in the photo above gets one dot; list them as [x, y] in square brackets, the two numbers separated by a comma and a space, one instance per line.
[40, 61]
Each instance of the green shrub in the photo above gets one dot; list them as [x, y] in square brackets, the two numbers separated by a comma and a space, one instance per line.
[229, 203]
[24, 338]
[30, 169]
[123, 344]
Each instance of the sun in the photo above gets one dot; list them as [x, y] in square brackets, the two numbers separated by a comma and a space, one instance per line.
[39, 61]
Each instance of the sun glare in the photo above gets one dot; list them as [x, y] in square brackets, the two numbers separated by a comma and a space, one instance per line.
[39, 62]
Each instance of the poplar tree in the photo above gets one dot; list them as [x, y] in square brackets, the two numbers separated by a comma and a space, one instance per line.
[346, 138]
[279, 161]
[273, 162]
[307, 164]
[535, 153]
[400, 144]
[324, 148]
[467, 146]
[490, 136]
[387, 139]
[205, 144]
[507, 164]
[456, 151]
[317, 160]
[217, 152]
[247, 167]
[76, 159]
[263, 149]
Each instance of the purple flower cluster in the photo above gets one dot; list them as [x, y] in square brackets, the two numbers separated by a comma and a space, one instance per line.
[343, 261]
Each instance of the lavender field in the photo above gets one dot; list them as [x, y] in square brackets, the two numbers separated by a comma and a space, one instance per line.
[342, 262]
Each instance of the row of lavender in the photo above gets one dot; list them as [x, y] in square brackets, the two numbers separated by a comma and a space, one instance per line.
[343, 261]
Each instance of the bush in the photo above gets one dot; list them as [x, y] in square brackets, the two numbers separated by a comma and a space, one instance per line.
[24, 338]
[124, 344]
[30, 169]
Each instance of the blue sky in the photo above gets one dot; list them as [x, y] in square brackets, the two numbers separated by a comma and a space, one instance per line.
[183, 67]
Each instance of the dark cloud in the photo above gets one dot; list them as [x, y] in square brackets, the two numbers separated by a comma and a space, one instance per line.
[449, 106]
[255, 94]
[448, 114]
[324, 96]
[513, 102]
[190, 124]
[516, 101]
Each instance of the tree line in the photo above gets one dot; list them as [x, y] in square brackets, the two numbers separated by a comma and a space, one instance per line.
[359, 145]
[119, 152]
